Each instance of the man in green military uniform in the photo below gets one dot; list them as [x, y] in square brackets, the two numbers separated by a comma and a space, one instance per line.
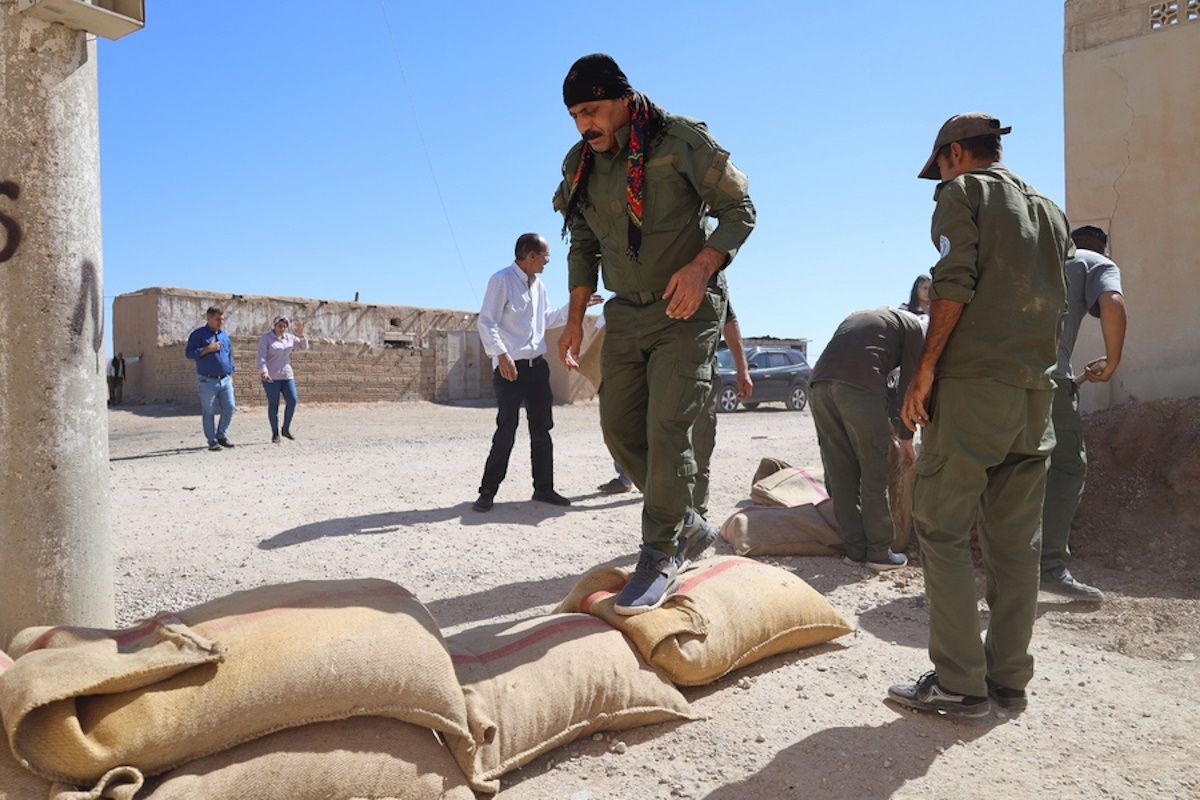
[636, 198]
[853, 418]
[983, 392]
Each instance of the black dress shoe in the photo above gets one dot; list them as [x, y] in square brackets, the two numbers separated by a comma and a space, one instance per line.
[224, 442]
[485, 502]
[287, 434]
[552, 497]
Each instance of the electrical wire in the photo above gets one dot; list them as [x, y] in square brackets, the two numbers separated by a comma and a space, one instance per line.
[428, 159]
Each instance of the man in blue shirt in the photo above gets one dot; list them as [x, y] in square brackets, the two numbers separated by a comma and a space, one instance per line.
[209, 346]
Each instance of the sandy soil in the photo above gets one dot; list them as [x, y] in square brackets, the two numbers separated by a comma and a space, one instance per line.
[385, 491]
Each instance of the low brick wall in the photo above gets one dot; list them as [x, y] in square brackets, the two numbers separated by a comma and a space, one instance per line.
[325, 373]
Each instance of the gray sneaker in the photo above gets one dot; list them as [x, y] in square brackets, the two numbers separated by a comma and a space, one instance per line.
[1060, 581]
[928, 695]
[695, 537]
[652, 581]
[890, 561]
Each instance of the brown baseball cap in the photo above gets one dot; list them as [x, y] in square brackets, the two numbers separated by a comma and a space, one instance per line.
[957, 128]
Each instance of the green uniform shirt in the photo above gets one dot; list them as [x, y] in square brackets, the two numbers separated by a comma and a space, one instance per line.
[688, 178]
[1003, 249]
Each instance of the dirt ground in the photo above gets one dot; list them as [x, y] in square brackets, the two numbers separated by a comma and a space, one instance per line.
[386, 490]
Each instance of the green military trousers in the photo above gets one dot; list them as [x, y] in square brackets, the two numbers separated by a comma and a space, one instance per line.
[704, 441]
[855, 435]
[1064, 482]
[985, 451]
[655, 375]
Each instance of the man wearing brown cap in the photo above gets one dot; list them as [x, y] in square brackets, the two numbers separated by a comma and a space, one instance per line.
[636, 197]
[983, 392]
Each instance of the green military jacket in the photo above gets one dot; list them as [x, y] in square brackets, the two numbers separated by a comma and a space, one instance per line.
[688, 179]
[1003, 249]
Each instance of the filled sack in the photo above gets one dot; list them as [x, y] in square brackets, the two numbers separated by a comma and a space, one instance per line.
[77, 701]
[807, 530]
[728, 612]
[544, 682]
[360, 757]
[776, 483]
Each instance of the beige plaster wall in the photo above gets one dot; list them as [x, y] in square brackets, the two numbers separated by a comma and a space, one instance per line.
[1132, 125]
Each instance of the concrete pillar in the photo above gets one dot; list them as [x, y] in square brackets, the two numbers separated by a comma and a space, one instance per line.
[55, 528]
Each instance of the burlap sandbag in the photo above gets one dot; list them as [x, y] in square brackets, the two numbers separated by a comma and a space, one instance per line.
[808, 530]
[728, 612]
[81, 701]
[361, 757]
[18, 783]
[589, 362]
[541, 683]
[775, 483]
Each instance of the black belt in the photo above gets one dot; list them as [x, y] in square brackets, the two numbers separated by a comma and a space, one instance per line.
[529, 362]
[218, 377]
[639, 298]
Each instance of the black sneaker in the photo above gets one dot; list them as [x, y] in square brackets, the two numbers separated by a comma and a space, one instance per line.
[287, 434]
[1006, 698]
[275, 438]
[1060, 581]
[552, 497]
[216, 448]
[221, 440]
[928, 695]
[695, 537]
[485, 502]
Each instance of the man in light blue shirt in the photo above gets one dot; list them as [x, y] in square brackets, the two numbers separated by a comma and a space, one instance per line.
[512, 325]
[210, 348]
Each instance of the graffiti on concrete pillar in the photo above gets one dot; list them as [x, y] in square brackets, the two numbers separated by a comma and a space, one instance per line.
[89, 299]
[12, 231]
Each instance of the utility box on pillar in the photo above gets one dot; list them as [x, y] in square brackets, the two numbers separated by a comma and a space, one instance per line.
[111, 19]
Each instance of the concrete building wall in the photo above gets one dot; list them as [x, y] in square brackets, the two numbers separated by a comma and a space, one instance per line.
[349, 360]
[1132, 108]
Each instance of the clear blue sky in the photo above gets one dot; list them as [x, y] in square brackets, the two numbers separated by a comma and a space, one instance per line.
[310, 149]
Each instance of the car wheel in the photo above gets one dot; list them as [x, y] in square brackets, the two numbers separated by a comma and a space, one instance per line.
[727, 401]
[750, 406]
[797, 397]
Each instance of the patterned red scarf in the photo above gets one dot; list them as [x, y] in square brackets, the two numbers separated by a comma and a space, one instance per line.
[647, 126]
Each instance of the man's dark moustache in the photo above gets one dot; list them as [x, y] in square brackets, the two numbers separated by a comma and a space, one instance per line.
[587, 137]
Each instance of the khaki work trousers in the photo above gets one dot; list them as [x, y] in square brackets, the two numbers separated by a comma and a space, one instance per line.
[984, 454]
[656, 375]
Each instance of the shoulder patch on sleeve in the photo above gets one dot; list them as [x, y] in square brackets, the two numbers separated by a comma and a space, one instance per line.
[692, 131]
[943, 246]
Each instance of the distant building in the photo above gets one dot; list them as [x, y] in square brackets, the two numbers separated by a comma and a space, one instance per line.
[1132, 115]
[359, 353]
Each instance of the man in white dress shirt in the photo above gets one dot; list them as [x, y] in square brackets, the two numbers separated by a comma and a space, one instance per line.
[512, 324]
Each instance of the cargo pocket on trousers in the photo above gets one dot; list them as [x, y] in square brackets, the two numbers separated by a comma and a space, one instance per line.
[694, 384]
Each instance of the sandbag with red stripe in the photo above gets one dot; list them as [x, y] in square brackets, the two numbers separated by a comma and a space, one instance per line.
[728, 612]
[541, 683]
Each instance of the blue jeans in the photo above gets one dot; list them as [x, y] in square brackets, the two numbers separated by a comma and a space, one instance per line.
[273, 389]
[215, 392]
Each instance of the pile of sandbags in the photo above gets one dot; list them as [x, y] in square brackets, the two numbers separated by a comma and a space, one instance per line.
[794, 514]
[342, 689]
[78, 702]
